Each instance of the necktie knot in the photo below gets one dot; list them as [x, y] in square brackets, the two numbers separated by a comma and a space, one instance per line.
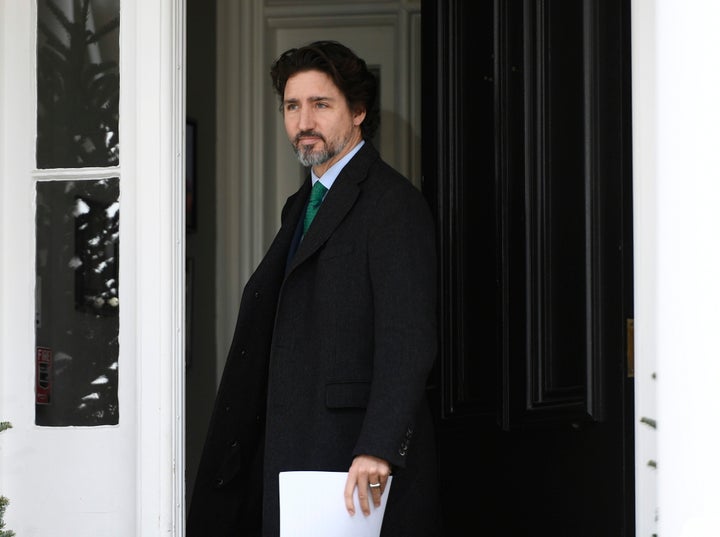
[316, 196]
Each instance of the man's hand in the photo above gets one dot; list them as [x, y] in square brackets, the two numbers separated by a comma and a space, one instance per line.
[369, 474]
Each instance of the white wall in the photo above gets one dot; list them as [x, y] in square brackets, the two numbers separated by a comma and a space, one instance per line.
[676, 76]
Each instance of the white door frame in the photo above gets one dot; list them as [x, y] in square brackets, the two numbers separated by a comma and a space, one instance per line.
[157, 126]
[54, 477]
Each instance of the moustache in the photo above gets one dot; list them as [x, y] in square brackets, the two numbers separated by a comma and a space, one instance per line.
[308, 134]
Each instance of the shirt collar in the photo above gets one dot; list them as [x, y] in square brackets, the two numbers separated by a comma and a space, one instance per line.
[328, 178]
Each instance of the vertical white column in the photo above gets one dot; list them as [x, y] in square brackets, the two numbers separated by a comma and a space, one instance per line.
[16, 258]
[687, 86]
[645, 261]
[154, 176]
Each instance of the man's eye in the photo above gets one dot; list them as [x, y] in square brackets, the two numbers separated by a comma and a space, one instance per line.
[290, 107]
[321, 105]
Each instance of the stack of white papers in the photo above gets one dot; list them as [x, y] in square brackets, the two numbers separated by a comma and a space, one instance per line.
[312, 504]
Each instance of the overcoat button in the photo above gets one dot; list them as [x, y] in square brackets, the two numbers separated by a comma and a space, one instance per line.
[219, 482]
[257, 294]
[234, 444]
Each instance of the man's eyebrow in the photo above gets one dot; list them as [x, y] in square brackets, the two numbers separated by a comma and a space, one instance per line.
[313, 99]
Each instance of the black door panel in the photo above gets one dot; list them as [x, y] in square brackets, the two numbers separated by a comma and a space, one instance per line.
[526, 160]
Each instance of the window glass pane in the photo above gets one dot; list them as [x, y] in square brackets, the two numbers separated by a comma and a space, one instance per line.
[78, 83]
[77, 302]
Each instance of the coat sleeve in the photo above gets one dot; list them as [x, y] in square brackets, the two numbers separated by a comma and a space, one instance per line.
[402, 264]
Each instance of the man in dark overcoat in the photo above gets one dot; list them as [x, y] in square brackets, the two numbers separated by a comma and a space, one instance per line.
[336, 332]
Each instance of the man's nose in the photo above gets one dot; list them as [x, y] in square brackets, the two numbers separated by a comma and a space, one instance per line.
[306, 119]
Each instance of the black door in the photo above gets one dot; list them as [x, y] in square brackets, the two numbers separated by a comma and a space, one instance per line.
[527, 163]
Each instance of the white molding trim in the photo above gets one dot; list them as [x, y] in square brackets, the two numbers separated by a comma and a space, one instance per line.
[645, 261]
[178, 122]
[157, 180]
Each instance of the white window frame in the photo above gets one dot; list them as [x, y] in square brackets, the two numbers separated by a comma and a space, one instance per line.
[152, 273]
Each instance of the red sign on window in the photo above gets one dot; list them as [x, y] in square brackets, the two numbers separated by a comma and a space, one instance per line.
[43, 375]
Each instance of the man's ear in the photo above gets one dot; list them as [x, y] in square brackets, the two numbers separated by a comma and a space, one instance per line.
[359, 116]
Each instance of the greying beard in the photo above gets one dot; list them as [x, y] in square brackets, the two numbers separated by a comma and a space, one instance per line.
[308, 157]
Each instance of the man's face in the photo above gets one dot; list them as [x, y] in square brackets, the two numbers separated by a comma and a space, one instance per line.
[320, 125]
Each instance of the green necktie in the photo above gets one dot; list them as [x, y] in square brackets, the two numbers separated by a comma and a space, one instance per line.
[316, 196]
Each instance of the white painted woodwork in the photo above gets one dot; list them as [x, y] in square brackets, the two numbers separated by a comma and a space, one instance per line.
[113, 480]
[644, 214]
[688, 264]
[676, 112]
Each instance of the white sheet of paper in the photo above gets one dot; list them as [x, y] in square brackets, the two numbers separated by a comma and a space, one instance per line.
[312, 505]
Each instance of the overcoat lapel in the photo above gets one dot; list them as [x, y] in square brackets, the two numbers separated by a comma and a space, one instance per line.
[337, 203]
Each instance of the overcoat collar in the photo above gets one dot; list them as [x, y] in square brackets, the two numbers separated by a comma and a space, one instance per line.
[337, 203]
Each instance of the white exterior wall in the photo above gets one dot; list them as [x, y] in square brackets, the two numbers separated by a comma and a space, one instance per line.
[676, 77]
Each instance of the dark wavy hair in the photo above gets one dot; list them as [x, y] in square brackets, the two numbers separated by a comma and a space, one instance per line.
[348, 71]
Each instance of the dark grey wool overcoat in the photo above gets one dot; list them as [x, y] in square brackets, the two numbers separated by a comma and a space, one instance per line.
[334, 342]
